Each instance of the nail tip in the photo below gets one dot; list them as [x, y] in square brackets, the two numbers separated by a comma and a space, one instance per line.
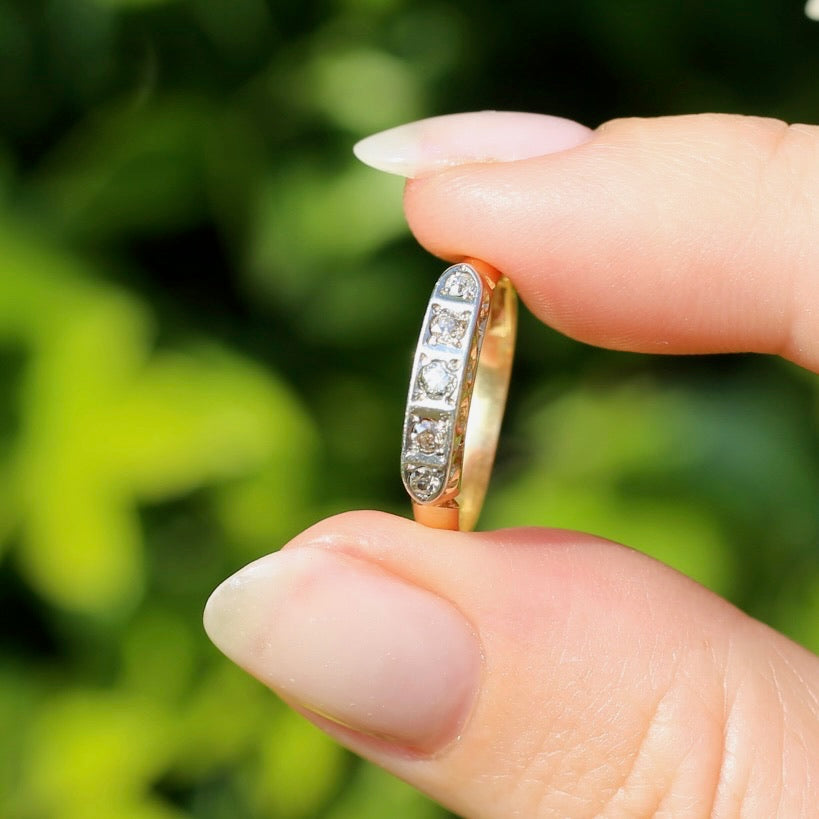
[210, 616]
[223, 600]
[435, 144]
[373, 158]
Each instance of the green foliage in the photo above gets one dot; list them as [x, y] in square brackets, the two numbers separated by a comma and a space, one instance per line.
[202, 352]
[373, 794]
[104, 425]
[617, 463]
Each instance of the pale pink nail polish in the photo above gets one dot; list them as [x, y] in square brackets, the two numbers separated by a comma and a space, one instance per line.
[430, 145]
[351, 642]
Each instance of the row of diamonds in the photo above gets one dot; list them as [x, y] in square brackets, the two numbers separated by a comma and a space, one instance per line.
[444, 354]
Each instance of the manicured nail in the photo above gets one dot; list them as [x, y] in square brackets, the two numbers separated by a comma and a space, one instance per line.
[430, 145]
[351, 642]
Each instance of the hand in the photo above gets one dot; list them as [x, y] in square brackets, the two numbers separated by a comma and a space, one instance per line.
[548, 673]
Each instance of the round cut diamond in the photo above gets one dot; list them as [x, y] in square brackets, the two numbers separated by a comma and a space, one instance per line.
[427, 435]
[460, 284]
[445, 323]
[426, 482]
[447, 327]
[436, 380]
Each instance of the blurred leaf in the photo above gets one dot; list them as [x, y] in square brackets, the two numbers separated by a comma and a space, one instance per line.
[286, 787]
[104, 425]
[309, 221]
[9, 503]
[371, 6]
[158, 656]
[608, 462]
[203, 415]
[374, 794]
[798, 613]
[237, 34]
[347, 82]
[221, 720]
[128, 169]
[21, 693]
[144, 809]
[131, 3]
[91, 751]
[261, 512]
[362, 89]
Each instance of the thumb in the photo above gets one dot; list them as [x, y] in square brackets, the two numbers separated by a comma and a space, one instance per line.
[686, 234]
[528, 672]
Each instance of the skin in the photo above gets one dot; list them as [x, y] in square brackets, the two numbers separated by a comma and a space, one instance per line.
[609, 684]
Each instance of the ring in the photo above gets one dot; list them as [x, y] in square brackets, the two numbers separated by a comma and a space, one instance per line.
[457, 394]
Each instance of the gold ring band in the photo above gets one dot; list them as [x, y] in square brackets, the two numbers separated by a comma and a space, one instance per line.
[457, 394]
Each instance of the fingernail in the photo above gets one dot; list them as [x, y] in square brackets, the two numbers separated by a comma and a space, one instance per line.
[351, 642]
[430, 145]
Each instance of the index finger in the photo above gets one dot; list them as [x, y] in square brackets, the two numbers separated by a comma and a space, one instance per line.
[690, 234]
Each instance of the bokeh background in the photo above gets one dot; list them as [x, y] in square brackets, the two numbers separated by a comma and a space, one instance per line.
[207, 311]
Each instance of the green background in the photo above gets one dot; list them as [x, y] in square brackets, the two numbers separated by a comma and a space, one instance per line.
[207, 309]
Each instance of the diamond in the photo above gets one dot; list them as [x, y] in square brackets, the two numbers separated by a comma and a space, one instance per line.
[460, 284]
[426, 482]
[436, 379]
[447, 327]
[428, 435]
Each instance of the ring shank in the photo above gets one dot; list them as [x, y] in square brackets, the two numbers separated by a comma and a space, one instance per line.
[486, 409]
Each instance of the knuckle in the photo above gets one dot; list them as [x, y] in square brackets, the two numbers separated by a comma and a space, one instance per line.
[787, 199]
